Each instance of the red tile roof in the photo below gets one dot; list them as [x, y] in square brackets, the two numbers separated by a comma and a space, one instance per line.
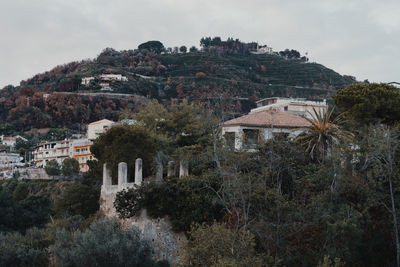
[269, 117]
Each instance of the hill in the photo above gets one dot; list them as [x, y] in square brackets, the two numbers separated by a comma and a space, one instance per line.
[58, 98]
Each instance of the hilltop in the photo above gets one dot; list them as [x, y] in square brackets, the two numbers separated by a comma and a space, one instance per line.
[240, 71]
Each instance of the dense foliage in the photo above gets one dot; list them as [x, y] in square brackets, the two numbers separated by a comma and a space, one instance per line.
[70, 167]
[125, 144]
[185, 200]
[369, 103]
[218, 245]
[104, 243]
[336, 208]
[57, 98]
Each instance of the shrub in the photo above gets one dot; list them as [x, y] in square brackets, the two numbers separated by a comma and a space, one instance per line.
[23, 250]
[52, 168]
[104, 243]
[185, 200]
[70, 167]
[78, 199]
[217, 245]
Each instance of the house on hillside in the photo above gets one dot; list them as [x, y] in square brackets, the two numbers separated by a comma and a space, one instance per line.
[81, 152]
[57, 150]
[296, 106]
[247, 131]
[395, 84]
[263, 49]
[11, 140]
[87, 80]
[98, 127]
[113, 77]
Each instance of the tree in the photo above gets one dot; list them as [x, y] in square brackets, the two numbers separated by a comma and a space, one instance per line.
[154, 46]
[8, 211]
[369, 103]
[193, 49]
[23, 250]
[125, 143]
[52, 168]
[323, 133]
[380, 164]
[183, 49]
[70, 167]
[216, 41]
[77, 199]
[217, 245]
[205, 42]
[104, 243]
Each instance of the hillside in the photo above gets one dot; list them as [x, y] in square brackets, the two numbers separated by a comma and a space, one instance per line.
[58, 98]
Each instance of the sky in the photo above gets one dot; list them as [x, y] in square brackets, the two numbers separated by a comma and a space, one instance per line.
[353, 37]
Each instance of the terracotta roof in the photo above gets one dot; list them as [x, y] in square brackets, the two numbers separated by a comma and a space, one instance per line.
[269, 117]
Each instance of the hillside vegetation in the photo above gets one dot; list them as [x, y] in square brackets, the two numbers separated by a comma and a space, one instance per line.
[57, 98]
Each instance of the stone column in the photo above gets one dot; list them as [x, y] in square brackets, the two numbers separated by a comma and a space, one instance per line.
[183, 168]
[171, 168]
[138, 172]
[106, 175]
[160, 170]
[122, 175]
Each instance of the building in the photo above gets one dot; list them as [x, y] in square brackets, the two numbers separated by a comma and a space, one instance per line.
[395, 84]
[294, 106]
[81, 152]
[57, 150]
[10, 160]
[98, 127]
[264, 49]
[86, 81]
[8, 163]
[247, 131]
[10, 140]
[113, 77]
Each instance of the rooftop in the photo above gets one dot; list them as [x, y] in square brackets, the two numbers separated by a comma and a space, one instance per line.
[269, 117]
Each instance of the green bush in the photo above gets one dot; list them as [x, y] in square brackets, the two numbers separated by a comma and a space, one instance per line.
[23, 250]
[104, 243]
[185, 200]
[78, 199]
[70, 167]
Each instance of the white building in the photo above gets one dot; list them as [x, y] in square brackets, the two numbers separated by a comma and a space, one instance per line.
[10, 160]
[10, 140]
[247, 131]
[113, 77]
[87, 80]
[98, 127]
[294, 106]
[57, 150]
[395, 84]
[264, 49]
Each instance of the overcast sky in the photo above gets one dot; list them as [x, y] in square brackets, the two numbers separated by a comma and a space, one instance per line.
[354, 37]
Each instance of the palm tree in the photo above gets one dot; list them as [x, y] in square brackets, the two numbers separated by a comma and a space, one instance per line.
[323, 133]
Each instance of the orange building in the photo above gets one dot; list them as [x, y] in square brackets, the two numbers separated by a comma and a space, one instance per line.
[82, 155]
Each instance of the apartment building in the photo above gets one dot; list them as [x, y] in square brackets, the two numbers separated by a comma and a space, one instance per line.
[57, 150]
[98, 127]
[81, 152]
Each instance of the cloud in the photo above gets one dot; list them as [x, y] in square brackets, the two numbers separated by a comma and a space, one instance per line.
[357, 37]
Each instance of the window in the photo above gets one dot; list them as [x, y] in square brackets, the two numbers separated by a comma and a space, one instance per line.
[251, 137]
[280, 136]
[286, 108]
